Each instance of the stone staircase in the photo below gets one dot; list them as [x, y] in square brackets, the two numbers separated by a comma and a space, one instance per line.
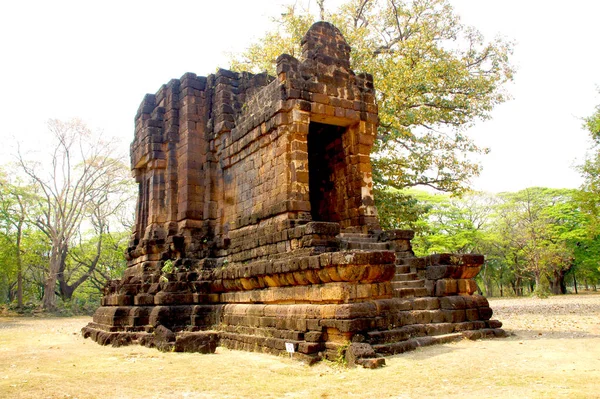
[409, 281]
[359, 241]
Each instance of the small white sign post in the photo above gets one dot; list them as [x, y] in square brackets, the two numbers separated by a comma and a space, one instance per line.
[289, 347]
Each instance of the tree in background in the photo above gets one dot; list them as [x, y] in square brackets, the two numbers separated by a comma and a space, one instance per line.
[590, 171]
[76, 183]
[103, 254]
[36, 252]
[434, 77]
[16, 209]
[403, 209]
[90, 249]
[588, 266]
[23, 249]
[461, 225]
[533, 239]
[455, 225]
[539, 228]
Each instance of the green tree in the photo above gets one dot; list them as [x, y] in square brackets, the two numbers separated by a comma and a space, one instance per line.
[587, 266]
[105, 253]
[505, 251]
[532, 237]
[454, 225]
[16, 210]
[540, 229]
[590, 171]
[23, 250]
[76, 181]
[404, 209]
[434, 77]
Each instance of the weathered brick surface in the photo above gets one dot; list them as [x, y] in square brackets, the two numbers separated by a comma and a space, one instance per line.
[256, 219]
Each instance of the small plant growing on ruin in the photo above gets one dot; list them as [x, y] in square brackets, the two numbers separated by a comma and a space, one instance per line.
[340, 359]
[168, 268]
[455, 260]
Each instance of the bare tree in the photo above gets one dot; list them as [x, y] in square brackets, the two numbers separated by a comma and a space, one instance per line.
[80, 172]
[321, 4]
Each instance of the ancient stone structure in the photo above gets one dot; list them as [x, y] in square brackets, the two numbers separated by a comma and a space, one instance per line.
[256, 225]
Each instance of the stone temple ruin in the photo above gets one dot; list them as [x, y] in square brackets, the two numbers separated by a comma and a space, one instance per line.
[256, 226]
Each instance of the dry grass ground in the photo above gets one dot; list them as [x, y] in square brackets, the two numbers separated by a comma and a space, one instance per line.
[554, 353]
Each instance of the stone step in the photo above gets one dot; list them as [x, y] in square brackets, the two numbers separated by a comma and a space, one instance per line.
[417, 263]
[417, 292]
[409, 331]
[408, 284]
[376, 246]
[404, 292]
[414, 343]
[363, 239]
[400, 269]
[354, 237]
[357, 235]
[405, 277]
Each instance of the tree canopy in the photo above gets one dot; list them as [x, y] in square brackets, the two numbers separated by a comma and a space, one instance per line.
[434, 77]
[590, 170]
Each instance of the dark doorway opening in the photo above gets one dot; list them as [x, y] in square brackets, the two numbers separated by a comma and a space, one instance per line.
[326, 172]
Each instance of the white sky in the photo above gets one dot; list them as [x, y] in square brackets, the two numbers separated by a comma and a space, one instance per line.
[96, 60]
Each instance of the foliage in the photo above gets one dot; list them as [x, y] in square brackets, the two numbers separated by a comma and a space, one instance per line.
[542, 227]
[590, 171]
[80, 182]
[587, 266]
[434, 77]
[592, 125]
[110, 265]
[168, 266]
[16, 212]
[533, 239]
[455, 224]
[402, 209]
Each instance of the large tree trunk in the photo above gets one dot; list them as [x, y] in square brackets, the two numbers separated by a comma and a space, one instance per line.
[66, 290]
[49, 299]
[557, 284]
[489, 288]
[555, 287]
[10, 293]
[58, 258]
[517, 287]
[19, 268]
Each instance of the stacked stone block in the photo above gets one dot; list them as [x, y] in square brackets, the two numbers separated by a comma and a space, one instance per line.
[256, 226]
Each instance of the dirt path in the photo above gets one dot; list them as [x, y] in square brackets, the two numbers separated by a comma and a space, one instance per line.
[554, 353]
